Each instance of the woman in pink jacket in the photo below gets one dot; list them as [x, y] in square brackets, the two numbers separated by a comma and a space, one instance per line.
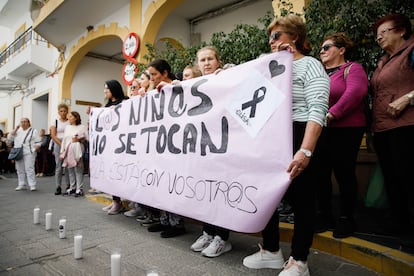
[341, 139]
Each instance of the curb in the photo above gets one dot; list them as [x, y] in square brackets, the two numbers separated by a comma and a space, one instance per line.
[382, 259]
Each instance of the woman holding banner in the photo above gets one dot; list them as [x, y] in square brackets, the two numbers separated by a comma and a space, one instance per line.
[115, 95]
[171, 225]
[310, 105]
[213, 242]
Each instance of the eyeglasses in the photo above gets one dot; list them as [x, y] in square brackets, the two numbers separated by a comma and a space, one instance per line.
[386, 30]
[275, 36]
[133, 87]
[326, 47]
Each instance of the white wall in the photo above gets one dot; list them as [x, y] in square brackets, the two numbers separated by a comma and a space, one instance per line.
[179, 28]
[226, 22]
[89, 80]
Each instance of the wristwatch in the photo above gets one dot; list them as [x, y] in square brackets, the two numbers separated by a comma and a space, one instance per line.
[307, 152]
[410, 96]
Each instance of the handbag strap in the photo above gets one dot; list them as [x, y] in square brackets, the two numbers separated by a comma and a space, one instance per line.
[346, 71]
[27, 134]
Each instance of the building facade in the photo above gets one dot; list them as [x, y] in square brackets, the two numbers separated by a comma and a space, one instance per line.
[54, 51]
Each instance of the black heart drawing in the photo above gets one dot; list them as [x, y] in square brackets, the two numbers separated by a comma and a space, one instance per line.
[276, 69]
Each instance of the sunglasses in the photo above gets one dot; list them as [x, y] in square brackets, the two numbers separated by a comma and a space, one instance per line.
[275, 36]
[327, 46]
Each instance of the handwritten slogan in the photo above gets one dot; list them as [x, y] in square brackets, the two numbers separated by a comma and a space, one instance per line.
[214, 148]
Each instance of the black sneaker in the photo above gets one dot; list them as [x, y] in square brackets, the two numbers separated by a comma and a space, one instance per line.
[173, 231]
[284, 209]
[158, 227]
[78, 194]
[345, 228]
[58, 191]
[69, 192]
[323, 222]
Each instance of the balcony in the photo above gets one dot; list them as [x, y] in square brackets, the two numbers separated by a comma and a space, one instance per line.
[61, 21]
[28, 56]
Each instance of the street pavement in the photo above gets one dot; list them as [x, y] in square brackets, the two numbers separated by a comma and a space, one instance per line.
[28, 249]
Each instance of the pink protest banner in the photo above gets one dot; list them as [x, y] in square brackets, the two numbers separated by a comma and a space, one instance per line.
[215, 148]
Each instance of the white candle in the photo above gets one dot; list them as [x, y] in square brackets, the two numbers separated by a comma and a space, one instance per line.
[116, 264]
[36, 212]
[62, 228]
[78, 247]
[48, 220]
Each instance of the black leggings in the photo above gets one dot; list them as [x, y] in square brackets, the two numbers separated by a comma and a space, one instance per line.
[395, 151]
[301, 196]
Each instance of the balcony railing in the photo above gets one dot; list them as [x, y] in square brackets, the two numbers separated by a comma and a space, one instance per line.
[27, 38]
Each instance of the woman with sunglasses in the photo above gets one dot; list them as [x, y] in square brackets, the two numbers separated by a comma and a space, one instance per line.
[346, 125]
[134, 88]
[310, 104]
[393, 117]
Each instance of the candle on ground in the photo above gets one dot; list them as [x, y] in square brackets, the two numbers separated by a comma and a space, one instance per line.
[116, 264]
[48, 220]
[78, 247]
[36, 212]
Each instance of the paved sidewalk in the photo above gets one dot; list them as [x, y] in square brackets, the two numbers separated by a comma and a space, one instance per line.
[28, 249]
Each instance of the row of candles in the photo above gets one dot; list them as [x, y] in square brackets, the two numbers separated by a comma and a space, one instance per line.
[77, 240]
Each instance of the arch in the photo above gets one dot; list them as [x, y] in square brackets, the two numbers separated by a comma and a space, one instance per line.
[84, 45]
[155, 15]
[174, 42]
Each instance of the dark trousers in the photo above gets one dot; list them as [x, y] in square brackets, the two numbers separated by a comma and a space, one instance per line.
[301, 196]
[213, 230]
[395, 153]
[339, 151]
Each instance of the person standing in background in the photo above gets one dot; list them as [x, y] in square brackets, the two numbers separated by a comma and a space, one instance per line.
[134, 88]
[56, 133]
[139, 87]
[41, 157]
[3, 153]
[346, 124]
[393, 118]
[145, 83]
[191, 72]
[27, 137]
[71, 152]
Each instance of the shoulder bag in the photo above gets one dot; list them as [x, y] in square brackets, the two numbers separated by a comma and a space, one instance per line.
[17, 153]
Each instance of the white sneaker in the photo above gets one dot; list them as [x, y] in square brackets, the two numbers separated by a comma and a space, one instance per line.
[294, 268]
[216, 248]
[264, 259]
[107, 208]
[20, 188]
[133, 212]
[202, 242]
[116, 208]
[33, 188]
